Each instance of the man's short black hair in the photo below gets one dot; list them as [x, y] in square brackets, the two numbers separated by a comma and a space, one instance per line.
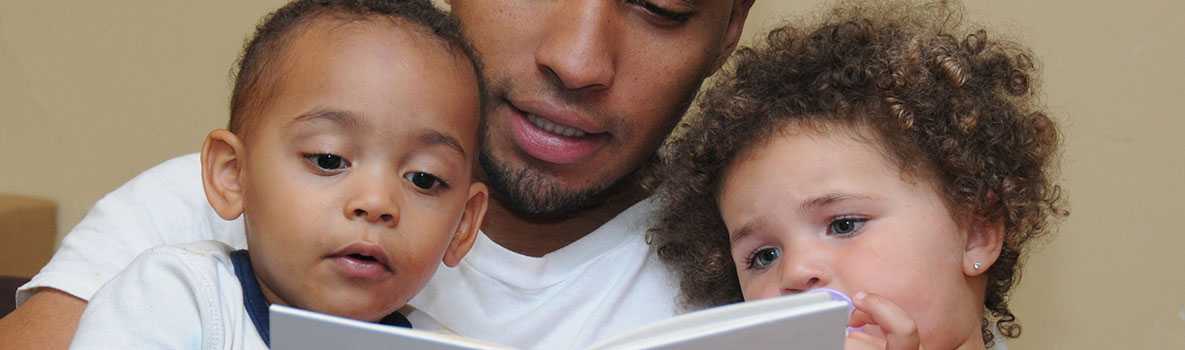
[252, 82]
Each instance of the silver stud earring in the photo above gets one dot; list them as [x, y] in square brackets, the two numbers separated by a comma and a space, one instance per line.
[977, 265]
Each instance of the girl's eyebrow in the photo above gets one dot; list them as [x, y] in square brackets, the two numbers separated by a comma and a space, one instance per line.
[757, 224]
[831, 198]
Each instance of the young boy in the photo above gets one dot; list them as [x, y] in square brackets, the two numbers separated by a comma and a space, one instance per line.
[349, 154]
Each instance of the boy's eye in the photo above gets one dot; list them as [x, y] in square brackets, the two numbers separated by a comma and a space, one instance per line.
[764, 257]
[328, 162]
[845, 226]
[424, 181]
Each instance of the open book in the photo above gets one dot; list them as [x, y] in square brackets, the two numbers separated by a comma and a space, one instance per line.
[812, 320]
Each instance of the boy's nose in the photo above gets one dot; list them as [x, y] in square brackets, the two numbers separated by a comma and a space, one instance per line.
[376, 207]
[577, 50]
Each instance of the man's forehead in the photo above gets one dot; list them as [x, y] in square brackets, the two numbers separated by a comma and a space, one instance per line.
[444, 4]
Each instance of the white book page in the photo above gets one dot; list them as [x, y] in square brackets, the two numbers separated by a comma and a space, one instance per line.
[295, 329]
[803, 321]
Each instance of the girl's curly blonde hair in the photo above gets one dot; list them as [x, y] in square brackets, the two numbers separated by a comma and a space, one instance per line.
[942, 100]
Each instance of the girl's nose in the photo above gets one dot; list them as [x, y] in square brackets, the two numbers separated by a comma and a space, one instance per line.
[803, 270]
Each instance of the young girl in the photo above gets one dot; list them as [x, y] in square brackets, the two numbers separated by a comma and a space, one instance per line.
[887, 153]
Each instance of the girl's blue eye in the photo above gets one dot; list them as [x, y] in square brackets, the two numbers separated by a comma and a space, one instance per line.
[764, 257]
[328, 162]
[845, 226]
[424, 181]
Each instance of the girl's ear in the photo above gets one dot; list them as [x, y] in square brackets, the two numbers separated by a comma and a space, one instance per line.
[222, 173]
[466, 234]
[984, 241]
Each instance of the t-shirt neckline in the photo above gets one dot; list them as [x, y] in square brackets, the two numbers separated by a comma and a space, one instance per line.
[528, 272]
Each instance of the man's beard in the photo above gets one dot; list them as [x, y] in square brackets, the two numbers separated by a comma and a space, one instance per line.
[529, 193]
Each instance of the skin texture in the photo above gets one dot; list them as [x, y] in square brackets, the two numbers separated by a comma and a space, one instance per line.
[549, 50]
[614, 69]
[812, 209]
[45, 321]
[395, 95]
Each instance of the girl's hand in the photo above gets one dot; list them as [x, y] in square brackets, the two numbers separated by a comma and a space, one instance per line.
[900, 332]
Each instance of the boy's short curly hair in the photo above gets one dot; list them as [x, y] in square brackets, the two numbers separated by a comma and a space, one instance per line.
[256, 74]
[943, 101]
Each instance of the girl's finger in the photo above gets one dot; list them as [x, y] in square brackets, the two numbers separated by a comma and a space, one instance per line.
[863, 341]
[901, 333]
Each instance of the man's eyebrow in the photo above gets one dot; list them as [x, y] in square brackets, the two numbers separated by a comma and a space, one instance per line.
[433, 137]
[830, 198]
[346, 119]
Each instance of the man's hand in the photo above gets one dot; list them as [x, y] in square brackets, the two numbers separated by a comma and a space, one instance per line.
[900, 332]
[46, 321]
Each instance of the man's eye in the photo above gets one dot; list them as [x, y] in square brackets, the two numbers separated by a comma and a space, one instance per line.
[666, 14]
[328, 162]
[845, 226]
[424, 181]
[764, 257]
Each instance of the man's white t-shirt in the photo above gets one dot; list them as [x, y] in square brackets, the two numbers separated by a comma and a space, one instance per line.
[601, 285]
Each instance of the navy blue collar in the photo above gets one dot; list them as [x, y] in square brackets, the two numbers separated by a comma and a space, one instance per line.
[256, 304]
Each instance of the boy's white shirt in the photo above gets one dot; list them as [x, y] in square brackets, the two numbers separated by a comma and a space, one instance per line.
[183, 296]
[601, 285]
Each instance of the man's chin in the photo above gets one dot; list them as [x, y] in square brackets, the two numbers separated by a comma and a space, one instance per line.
[532, 194]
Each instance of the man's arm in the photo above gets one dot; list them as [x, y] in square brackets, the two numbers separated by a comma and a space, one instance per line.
[164, 205]
[46, 320]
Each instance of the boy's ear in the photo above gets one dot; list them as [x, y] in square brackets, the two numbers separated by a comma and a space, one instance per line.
[985, 240]
[222, 160]
[732, 35]
[466, 234]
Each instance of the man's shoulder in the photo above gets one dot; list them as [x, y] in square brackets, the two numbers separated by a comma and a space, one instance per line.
[185, 164]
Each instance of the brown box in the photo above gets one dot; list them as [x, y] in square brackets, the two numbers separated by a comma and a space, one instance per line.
[28, 227]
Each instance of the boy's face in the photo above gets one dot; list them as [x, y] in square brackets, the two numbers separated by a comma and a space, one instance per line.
[355, 179]
[811, 210]
[582, 92]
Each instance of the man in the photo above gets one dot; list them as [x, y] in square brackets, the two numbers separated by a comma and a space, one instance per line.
[582, 93]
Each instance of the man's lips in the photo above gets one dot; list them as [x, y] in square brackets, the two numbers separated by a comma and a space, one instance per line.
[564, 140]
[362, 260]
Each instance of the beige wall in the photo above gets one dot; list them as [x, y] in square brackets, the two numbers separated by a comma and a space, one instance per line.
[91, 94]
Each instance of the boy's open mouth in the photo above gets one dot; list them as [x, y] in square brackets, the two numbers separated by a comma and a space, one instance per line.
[362, 257]
[362, 260]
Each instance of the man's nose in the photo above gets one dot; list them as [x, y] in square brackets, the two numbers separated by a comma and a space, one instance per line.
[578, 48]
[376, 203]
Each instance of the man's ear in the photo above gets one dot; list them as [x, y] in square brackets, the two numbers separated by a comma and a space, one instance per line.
[985, 240]
[466, 234]
[732, 35]
[222, 173]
